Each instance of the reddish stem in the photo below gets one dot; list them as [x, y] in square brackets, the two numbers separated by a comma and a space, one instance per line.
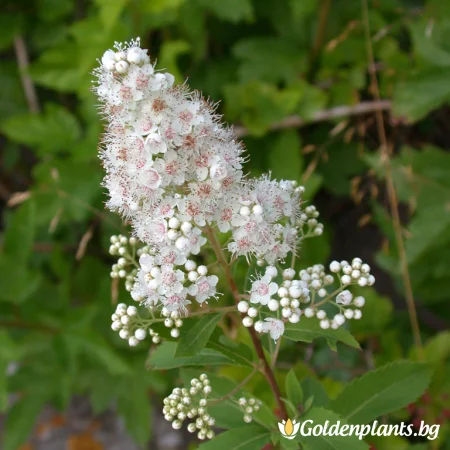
[268, 372]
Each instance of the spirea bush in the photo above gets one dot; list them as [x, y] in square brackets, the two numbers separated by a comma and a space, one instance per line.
[175, 173]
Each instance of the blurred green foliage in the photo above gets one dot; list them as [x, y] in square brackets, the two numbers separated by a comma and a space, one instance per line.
[264, 61]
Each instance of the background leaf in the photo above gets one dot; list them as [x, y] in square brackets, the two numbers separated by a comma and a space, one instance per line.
[382, 391]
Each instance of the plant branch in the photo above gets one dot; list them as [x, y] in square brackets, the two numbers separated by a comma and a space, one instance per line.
[236, 389]
[321, 116]
[392, 194]
[28, 326]
[27, 82]
[267, 370]
[324, 12]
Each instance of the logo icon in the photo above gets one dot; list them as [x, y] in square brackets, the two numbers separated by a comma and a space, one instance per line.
[289, 428]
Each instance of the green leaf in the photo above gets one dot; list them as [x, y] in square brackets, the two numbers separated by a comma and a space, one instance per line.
[309, 329]
[259, 104]
[250, 437]
[198, 336]
[228, 413]
[287, 147]
[19, 236]
[312, 388]
[427, 45]
[241, 354]
[293, 389]
[437, 348]
[382, 391]
[420, 93]
[231, 10]
[53, 131]
[320, 416]
[94, 347]
[21, 419]
[285, 58]
[164, 358]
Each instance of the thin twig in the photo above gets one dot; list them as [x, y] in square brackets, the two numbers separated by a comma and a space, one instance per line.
[276, 352]
[28, 326]
[324, 12]
[236, 389]
[27, 83]
[321, 116]
[392, 194]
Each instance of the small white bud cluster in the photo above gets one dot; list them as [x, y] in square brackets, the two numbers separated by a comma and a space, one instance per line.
[172, 320]
[317, 279]
[356, 272]
[125, 248]
[344, 298]
[309, 217]
[191, 403]
[249, 406]
[349, 274]
[119, 62]
[286, 299]
[127, 322]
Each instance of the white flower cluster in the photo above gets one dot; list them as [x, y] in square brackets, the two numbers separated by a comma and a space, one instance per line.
[167, 280]
[354, 272]
[249, 406]
[191, 403]
[127, 322]
[310, 291]
[171, 165]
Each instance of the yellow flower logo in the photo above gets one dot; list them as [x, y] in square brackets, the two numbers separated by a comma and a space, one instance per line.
[289, 428]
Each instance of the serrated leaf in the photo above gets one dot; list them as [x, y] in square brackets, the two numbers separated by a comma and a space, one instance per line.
[293, 389]
[164, 358]
[320, 416]
[309, 329]
[198, 336]
[250, 437]
[382, 391]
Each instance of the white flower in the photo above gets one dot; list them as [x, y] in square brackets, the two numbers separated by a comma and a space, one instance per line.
[177, 302]
[204, 288]
[262, 290]
[273, 326]
[169, 280]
